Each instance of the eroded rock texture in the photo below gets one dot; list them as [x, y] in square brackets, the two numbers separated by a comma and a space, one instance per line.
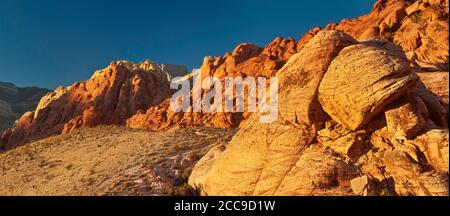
[110, 96]
[247, 59]
[352, 123]
[420, 28]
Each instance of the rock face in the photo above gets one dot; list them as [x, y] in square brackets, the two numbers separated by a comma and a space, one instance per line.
[15, 101]
[110, 96]
[361, 81]
[358, 129]
[437, 83]
[204, 165]
[263, 159]
[420, 28]
[246, 60]
[407, 117]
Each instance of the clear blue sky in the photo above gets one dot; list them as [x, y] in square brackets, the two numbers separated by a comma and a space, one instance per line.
[48, 43]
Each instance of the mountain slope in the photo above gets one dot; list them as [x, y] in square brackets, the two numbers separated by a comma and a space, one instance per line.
[110, 96]
[107, 160]
[15, 101]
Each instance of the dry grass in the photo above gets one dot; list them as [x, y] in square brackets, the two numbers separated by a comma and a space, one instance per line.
[107, 160]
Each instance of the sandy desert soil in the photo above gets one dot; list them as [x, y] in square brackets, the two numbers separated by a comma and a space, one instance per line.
[108, 160]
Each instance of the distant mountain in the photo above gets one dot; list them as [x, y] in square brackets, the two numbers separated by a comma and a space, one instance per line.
[15, 101]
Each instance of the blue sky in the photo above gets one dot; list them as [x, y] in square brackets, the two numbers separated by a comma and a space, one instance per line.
[49, 43]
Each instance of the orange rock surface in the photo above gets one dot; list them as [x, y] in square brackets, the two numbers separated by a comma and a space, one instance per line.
[246, 60]
[392, 20]
[420, 28]
[110, 96]
[128, 95]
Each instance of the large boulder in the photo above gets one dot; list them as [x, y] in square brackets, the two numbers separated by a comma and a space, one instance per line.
[391, 147]
[437, 107]
[261, 158]
[406, 117]
[361, 81]
[203, 166]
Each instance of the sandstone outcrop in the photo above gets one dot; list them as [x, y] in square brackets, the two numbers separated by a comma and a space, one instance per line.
[358, 129]
[437, 83]
[265, 159]
[420, 28]
[359, 83]
[110, 96]
[247, 59]
[205, 163]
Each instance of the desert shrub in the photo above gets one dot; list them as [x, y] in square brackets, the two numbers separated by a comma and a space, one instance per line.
[416, 17]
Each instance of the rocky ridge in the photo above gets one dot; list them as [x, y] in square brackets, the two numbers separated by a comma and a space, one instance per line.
[110, 96]
[420, 29]
[353, 122]
[247, 59]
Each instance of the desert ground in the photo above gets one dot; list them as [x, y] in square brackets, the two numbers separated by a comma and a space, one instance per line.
[108, 160]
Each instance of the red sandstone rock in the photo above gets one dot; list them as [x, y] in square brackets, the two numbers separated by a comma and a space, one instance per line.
[110, 96]
[246, 60]
[420, 28]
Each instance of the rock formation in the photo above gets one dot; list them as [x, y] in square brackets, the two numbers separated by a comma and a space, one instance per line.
[110, 96]
[246, 60]
[15, 101]
[352, 123]
[352, 94]
[363, 108]
[437, 83]
[419, 27]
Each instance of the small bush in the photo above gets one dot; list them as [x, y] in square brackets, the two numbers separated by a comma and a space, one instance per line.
[416, 17]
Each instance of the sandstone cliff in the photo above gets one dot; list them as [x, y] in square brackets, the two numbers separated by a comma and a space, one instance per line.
[353, 122]
[246, 60]
[419, 28]
[110, 96]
